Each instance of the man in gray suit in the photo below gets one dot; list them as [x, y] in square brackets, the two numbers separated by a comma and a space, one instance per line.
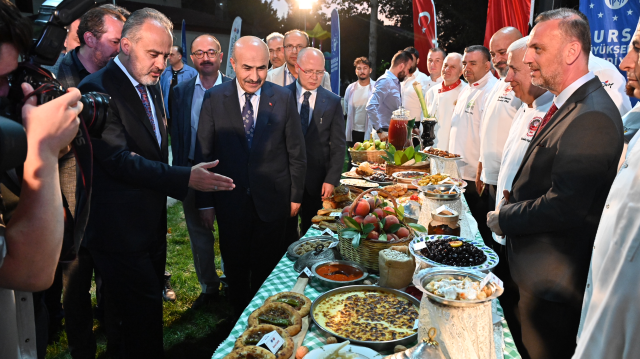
[551, 216]
[187, 96]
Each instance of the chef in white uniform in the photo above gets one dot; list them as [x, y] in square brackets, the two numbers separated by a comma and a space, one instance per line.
[612, 81]
[610, 319]
[441, 99]
[502, 105]
[464, 138]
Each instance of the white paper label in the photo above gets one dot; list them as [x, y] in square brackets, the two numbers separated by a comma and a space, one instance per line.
[308, 272]
[335, 214]
[419, 245]
[329, 232]
[491, 278]
[444, 208]
[333, 245]
[273, 341]
[446, 180]
[415, 324]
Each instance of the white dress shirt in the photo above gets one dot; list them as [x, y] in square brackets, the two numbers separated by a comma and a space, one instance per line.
[612, 81]
[153, 108]
[288, 76]
[255, 102]
[196, 106]
[441, 101]
[410, 99]
[567, 92]
[610, 319]
[502, 105]
[524, 126]
[464, 138]
[312, 99]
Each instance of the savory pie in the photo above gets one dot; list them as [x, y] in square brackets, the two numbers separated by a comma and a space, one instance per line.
[278, 314]
[252, 336]
[367, 315]
[298, 301]
[250, 352]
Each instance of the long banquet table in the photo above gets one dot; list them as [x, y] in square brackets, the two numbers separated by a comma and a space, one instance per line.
[284, 277]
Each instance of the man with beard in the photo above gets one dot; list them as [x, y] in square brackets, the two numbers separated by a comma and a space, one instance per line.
[355, 100]
[126, 232]
[387, 94]
[561, 186]
[252, 126]
[410, 99]
[293, 42]
[610, 299]
[501, 107]
[206, 56]
[464, 137]
[275, 42]
[441, 99]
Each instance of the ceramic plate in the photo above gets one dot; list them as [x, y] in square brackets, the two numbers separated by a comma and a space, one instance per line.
[490, 263]
[361, 352]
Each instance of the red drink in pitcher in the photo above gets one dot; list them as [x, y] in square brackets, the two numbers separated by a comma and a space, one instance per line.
[398, 133]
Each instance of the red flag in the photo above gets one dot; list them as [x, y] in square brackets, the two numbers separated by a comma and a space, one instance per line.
[501, 13]
[424, 28]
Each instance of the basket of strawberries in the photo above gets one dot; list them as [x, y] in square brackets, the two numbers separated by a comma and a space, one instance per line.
[371, 225]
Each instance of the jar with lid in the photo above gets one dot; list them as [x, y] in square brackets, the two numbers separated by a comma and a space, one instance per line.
[398, 131]
[445, 223]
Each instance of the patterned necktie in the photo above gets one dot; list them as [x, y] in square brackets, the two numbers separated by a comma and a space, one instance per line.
[147, 107]
[547, 117]
[304, 112]
[247, 117]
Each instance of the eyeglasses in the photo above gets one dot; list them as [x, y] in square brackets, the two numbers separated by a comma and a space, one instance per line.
[291, 47]
[200, 54]
[277, 49]
[311, 73]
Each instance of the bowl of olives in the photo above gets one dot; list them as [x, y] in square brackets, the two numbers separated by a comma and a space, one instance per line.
[442, 250]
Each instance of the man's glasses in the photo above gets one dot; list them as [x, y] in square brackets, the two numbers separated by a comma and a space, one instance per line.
[291, 47]
[200, 54]
[311, 73]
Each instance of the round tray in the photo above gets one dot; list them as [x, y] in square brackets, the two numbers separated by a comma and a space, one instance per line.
[359, 183]
[383, 183]
[458, 273]
[486, 267]
[378, 346]
[334, 283]
[291, 251]
[424, 189]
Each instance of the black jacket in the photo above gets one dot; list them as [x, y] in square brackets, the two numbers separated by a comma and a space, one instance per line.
[325, 141]
[131, 176]
[181, 117]
[559, 193]
[71, 71]
[272, 170]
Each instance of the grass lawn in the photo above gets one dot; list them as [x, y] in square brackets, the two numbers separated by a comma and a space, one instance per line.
[187, 333]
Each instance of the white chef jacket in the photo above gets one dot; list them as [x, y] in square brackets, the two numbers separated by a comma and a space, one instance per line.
[612, 81]
[410, 99]
[610, 319]
[502, 105]
[464, 138]
[524, 126]
[441, 100]
[431, 83]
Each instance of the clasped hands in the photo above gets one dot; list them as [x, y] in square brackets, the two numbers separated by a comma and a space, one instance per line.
[493, 217]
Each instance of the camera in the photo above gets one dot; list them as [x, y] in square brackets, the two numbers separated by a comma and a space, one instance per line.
[48, 41]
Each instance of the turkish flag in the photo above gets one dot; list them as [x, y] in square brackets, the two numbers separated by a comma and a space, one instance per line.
[424, 29]
[502, 13]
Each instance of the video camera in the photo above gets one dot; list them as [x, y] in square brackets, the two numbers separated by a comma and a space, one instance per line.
[48, 40]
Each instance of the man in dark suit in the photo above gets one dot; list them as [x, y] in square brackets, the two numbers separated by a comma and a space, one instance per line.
[126, 232]
[253, 128]
[187, 96]
[323, 127]
[551, 216]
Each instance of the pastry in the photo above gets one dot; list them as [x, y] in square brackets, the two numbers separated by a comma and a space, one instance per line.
[296, 300]
[252, 336]
[278, 314]
[250, 352]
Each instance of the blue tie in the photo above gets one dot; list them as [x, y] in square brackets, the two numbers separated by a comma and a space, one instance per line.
[304, 112]
[247, 117]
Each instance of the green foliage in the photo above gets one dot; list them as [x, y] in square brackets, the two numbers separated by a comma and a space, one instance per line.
[418, 227]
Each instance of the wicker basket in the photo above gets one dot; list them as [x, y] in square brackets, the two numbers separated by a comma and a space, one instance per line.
[367, 156]
[391, 169]
[367, 253]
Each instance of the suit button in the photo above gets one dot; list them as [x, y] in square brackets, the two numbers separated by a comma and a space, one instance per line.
[248, 191]
[588, 285]
[607, 206]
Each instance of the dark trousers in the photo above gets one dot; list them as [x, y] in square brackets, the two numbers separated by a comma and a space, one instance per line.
[549, 329]
[133, 283]
[77, 303]
[250, 249]
[479, 209]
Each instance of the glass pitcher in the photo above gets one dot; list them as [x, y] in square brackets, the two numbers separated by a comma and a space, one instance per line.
[398, 131]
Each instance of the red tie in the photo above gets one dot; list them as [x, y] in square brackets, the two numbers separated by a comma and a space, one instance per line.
[547, 117]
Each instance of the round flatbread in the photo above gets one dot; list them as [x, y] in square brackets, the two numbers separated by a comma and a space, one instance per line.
[250, 352]
[278, 314]
[298, 301]
[252, 336]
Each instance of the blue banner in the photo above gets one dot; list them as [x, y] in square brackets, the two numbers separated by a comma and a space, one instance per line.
[184, 41]
[612, 23]
[335, 52]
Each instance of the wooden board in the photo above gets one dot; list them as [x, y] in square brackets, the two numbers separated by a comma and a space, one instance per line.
[299, 287]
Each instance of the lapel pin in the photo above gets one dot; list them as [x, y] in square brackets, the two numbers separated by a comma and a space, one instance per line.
[270, 104]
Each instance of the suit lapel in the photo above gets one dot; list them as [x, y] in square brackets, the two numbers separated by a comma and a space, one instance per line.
[187, 100]
[264, 112]
[232, 109]
[318, 111]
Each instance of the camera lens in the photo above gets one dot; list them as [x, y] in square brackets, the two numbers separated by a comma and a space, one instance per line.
[95, 112]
